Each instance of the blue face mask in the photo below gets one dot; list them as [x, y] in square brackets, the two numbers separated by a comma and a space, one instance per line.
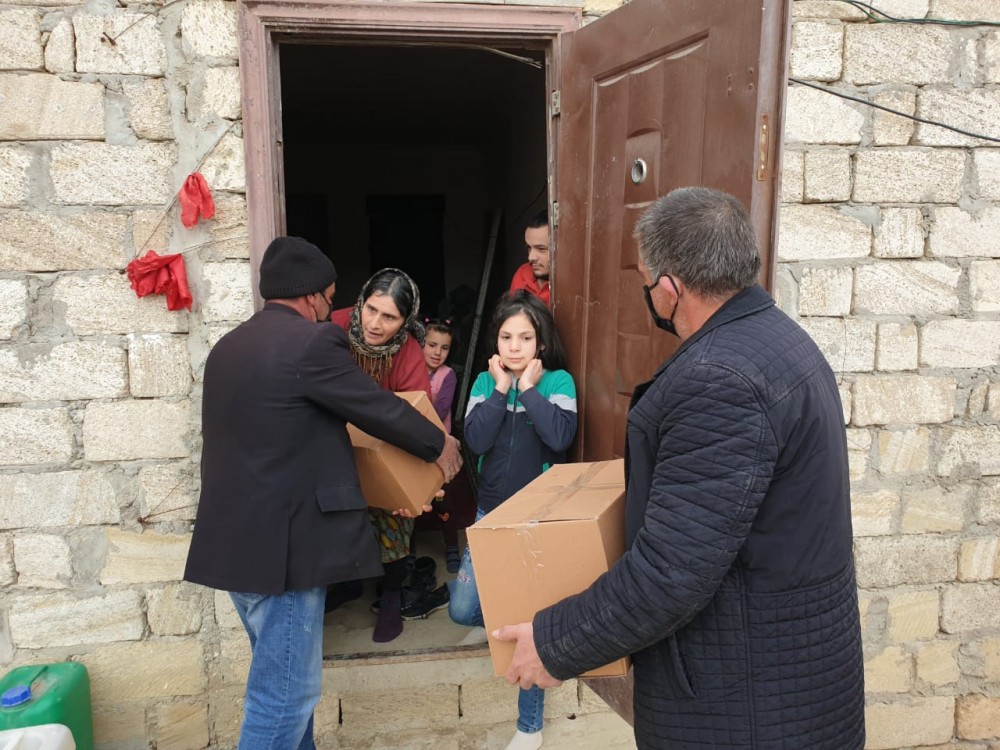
[664, 324]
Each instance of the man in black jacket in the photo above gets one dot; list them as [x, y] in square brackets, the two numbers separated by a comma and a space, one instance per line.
[736, 595]
[281, 514]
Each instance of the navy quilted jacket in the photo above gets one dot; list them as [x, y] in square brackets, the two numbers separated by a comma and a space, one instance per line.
[736, 596]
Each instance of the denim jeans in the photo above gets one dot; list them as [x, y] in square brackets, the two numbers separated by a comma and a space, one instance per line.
[463, 599]
[286, 668]
[464, 608]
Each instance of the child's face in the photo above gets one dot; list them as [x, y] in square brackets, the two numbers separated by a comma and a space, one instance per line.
[436, 348]
[517, 343]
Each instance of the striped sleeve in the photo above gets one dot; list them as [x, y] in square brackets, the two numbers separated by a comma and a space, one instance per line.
[552, 408]
[482, 389]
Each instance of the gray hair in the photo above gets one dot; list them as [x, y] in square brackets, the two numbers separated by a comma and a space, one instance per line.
[701, 236]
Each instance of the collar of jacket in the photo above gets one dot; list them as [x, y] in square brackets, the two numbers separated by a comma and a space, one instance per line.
[278, 307]
[749, 301]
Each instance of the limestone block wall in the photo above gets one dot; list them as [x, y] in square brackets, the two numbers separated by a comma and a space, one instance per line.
[103, 112]
[888, 255]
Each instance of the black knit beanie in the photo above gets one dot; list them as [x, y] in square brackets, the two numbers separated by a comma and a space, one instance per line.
[293, 267]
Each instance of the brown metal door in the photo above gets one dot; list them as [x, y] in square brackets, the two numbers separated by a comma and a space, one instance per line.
[656, 95]
[692, 91]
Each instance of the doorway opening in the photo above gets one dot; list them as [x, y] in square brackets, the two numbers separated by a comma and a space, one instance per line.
[405, 156]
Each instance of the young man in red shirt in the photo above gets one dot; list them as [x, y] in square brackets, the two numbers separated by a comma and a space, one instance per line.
[534, 275]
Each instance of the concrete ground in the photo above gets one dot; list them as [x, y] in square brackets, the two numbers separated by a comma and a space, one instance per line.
[421, 691]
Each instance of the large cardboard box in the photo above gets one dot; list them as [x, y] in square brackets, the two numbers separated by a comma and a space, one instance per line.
[390, 477]
[549, 541]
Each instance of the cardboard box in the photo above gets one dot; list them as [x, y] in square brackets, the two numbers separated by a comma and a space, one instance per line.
[549, 541]
[390, 477]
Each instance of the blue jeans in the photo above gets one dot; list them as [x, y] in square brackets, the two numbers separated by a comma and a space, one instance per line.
[286, 668]
[464, 608]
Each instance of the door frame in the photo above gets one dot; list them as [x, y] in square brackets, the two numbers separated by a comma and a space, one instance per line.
[264, 24]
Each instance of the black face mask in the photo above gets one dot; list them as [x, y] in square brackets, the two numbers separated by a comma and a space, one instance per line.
[664, 324]
[329, 309]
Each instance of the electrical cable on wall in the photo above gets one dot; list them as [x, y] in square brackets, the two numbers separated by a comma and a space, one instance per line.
[915, 118]
[879, 16]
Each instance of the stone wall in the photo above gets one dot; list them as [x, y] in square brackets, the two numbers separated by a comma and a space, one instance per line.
[889, 255]
[103, 112]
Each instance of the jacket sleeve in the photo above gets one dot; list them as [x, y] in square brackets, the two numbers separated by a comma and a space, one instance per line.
[554, 417]
[333, 380]
[484, 415]
[714, 463]
[446, 395]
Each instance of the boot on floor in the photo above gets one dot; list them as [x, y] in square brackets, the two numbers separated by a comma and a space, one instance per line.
[423, 577]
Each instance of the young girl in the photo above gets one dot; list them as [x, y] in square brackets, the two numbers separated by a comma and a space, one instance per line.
[437, 346]
[520, 420]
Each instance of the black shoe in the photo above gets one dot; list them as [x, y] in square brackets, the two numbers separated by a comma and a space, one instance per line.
[423, 579]
[406, 595]
[431, 601]
[409, 596]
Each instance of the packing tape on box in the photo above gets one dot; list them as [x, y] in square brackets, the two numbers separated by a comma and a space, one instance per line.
[582, 481]
[533, 561]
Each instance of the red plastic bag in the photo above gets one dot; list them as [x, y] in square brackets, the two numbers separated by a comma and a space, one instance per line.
[196, 199]
[161, 274]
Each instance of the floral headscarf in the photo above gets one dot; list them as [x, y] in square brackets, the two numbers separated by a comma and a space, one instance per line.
[377, 360]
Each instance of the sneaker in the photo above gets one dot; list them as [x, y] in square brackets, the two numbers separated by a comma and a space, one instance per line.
[525, 741]
[475, 637]
[452, 559]
[421, 607]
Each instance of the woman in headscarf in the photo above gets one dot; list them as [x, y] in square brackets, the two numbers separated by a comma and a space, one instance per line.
[386, 341]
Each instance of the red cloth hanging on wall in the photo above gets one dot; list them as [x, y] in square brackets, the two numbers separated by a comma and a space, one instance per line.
[161, 274]
[196, 199]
